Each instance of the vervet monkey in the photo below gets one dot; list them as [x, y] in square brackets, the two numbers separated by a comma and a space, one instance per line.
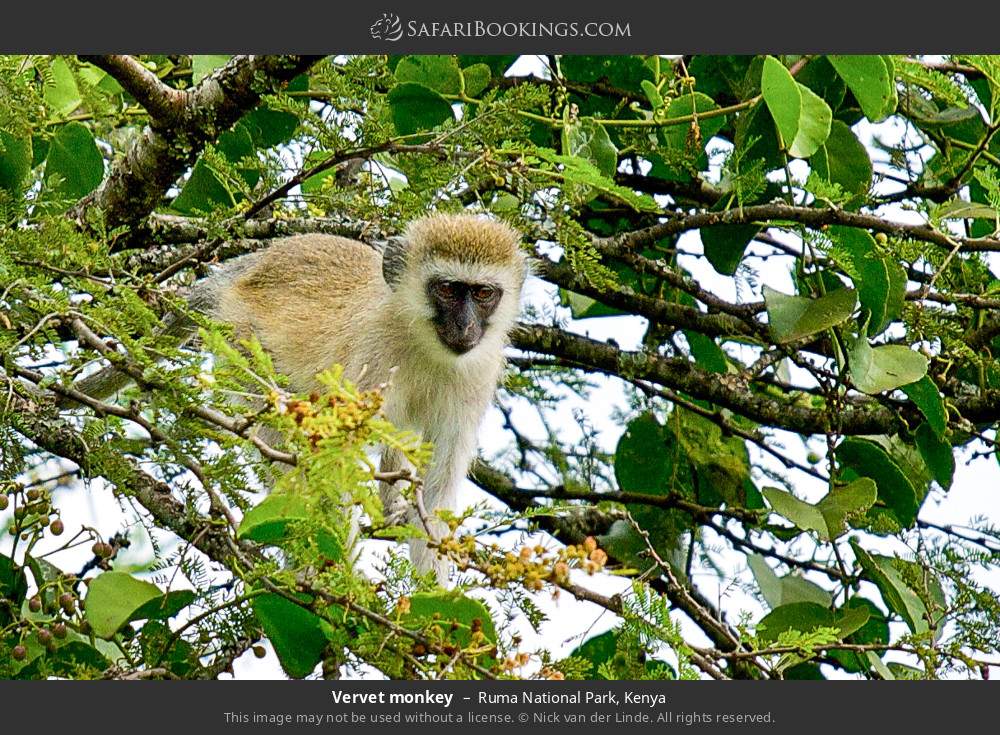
[429, 316]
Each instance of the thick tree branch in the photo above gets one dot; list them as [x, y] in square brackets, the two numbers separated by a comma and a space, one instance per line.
[164, 104]
[728, 391]
[768, 214]
[138, 181]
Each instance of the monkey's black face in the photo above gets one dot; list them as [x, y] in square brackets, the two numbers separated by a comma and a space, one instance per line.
[462, 311]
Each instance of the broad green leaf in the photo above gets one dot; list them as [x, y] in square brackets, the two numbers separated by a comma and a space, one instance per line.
[795, 317]
[897, 594]
[166, 606]
[681, 137]
[181, 658]
[778, 591]
[870, 81]
[642, 462]
[13, 587]
[876, 631]
[299, 636]
[926, 397]
[204, 64]
[895, 490]
[814, 124]
[597, 650]
[272, 522]
[725, 244]
[805, 617]
[74, 166]
[207, 189]
[15, 162]
[416, 108]
[653, 95]
[462, 620]
[783, 98]
[437, 72]
[624, 72]
[961, 209]
[584, 307]
[706, 353]
[937, 454]
[589, 140]
[268, 521]
[887, 367]
[802, 117]
[828, 518]
[113, 598]
[881, 281]
[477, 78]
[843, 160]
[61, 93]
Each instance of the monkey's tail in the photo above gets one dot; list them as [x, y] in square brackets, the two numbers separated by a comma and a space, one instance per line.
[110, 379]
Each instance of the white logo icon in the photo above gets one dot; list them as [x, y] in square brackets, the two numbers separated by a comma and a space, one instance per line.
[387, 28]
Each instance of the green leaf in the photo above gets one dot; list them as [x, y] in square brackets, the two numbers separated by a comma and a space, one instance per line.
[204, 64]
[457, 616]
[13, 586]
[679, 137]
[961, 209]
[725, 244]
[802, 117]
[881, 281]
[795, 317]
[875, 631]
[207, 189]
[440, 72]
[782, 97]
[597, 650]
[113, 598]
[868, 459]
[806, 617]
[642, 463]
[778, 591]
[61, 93]
[589, 140]
[477, 78]
[926, 396]
[897, 594]
[416, 108]
[74, 166]
[814, 124]
[653, 95]
[272, 521]
[15, 162]
[166, 606]
[887, 367]
[624, 72]
[937, 454]
[828, 518]
[706, 353]
[870, 80]
[843, 160]
[268, 521]
[584, 307]
[299, 636]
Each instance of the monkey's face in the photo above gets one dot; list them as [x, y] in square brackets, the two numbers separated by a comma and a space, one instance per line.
[462, 311]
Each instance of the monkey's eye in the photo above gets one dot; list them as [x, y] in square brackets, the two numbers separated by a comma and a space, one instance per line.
[484, 294]
[446, 290]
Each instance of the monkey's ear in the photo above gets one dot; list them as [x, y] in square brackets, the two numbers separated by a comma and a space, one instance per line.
[394, 261]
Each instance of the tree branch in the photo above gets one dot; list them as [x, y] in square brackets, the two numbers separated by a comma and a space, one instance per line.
[138, 181]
